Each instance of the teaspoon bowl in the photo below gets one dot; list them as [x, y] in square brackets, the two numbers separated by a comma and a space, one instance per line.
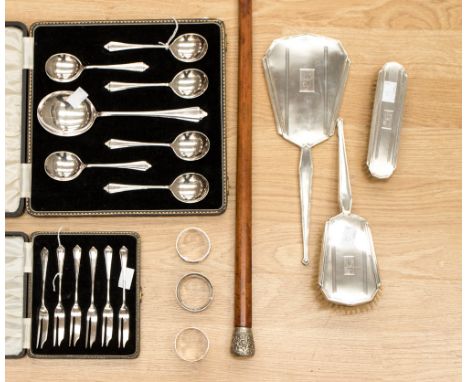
[190, 187]
[63, 166]
[63, 67]
[189, 47]
[191, 145]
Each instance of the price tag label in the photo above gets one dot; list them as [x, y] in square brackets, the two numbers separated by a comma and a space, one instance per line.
[128, 278]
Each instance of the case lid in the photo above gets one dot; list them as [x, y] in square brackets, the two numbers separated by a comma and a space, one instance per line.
[17, 262]
[16, 64]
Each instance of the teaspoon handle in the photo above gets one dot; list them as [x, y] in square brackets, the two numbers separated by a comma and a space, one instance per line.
[138, 166]
[113, 188]
[189, 114]
[115, 46]
[115, 86]
[122, 144]
[131, 67]
[305, 183]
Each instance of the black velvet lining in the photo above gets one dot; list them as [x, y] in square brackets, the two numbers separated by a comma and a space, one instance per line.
[85, 193]
[116, 241]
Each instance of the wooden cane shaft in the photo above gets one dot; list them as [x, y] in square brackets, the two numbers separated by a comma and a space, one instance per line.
[243, 275]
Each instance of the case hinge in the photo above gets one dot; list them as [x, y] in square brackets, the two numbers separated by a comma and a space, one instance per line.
[27, 323]
[28, 52]
[26, 174]
[28, 257]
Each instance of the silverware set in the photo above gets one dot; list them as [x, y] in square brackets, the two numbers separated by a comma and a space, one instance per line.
[66, 113]
[92, 313]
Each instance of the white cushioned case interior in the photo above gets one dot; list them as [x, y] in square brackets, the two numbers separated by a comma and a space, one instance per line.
[14, 294]
[13, 116]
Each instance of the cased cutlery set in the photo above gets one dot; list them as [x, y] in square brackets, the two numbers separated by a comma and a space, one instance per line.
[133, 108]
[83, 292]
[162, 151]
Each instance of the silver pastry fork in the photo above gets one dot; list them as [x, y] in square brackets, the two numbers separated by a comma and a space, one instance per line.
[75, 313]
[92, 316]
[107, 313]
[124, 315]
[59, 312]
[43, 315]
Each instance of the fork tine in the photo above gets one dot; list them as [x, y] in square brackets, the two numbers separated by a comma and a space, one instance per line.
[70, 332]
[77, 330]
[92, 337]
[44, 329]
[103, 330]
[55, 330]
[125, 331]
[109, 330]
[119, 340]
[39, 331]
[61, 328]
[87, 332]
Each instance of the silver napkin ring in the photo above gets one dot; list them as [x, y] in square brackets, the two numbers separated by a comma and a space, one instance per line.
[197, 357]
[191, 308]
[202, 234]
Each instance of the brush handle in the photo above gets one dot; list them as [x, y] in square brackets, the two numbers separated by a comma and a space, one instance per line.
[345, 196]
[242, 341]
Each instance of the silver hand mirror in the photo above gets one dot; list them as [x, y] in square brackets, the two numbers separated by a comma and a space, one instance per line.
[59, 117]
[188, 83]
[306, 76]
[348, 271]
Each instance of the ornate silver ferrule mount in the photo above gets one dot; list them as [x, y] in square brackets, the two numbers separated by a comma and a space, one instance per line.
[243, 342]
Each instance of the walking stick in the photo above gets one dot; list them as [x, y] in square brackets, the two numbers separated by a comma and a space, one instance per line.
[242, 340]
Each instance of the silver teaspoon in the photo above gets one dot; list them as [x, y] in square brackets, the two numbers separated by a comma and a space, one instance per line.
[189, 145]
[189, 47]
[65, 166]
[187, 188]
[188, 83]
[65, 67]
[60, 118]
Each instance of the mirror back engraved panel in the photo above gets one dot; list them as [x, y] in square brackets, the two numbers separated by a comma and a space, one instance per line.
[306, 77]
